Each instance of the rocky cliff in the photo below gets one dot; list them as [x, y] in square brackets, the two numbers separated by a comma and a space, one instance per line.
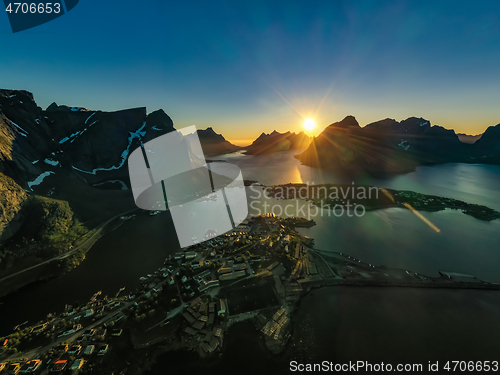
[69, 154]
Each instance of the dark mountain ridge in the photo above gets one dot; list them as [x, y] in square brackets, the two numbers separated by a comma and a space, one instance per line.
[93, 144]
[62, 152]
[390, 147]
[275, 142]
[215, 144]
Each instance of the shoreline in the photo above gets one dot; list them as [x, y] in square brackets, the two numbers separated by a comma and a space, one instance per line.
[278, 350]
[274, 324]
[44, 270]
[345, 195]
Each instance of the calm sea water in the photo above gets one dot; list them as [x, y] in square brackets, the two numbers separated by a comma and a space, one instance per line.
[342, 324]
[473, 183]
[397, 237]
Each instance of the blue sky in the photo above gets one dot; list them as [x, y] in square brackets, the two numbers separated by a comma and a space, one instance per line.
[248, 67]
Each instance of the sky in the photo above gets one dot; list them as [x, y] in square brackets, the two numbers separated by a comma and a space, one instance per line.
[249, 67]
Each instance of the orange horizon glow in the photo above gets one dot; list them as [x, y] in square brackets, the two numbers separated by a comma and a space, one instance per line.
[245, 130]
[286, 110]
[241, 142]
[240, 136]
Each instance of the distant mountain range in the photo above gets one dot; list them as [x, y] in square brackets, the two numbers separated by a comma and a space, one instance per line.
[275, 142]
[390, 147]
[215, 144]
[79, 156]
[465, 138]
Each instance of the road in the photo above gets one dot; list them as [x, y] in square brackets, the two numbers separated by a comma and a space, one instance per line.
[326, 263]
[72, 251]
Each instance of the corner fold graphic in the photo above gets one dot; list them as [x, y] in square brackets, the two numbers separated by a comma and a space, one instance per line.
[26, 15]
[205, 199]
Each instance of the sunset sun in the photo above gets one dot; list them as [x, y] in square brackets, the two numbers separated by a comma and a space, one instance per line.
[309, 124]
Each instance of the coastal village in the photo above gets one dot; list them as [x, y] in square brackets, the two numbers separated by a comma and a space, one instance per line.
[190, 303]
[257, 273]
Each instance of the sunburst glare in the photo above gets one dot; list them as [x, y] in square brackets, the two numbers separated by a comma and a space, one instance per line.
[309, 124]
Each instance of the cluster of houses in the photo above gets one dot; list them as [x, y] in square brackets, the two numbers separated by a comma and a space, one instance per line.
[232, 270]
[93, 309]
[23, 368]
[200, 317]
[152, 282]
[205, 281]
[91, 342]
[275, 325]
[241, 235]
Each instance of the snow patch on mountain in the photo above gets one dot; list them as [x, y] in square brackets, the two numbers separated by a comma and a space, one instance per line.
[404, 144]
[39, 179]
[89, 117]
[79, 109]
[51, 162]
[139, 133]
[23, 132]
[74, 136]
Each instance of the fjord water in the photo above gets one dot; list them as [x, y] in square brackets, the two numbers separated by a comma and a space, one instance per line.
[397, 237]
[472, 183]
[117, 260]
[342, 324]
[393, 237]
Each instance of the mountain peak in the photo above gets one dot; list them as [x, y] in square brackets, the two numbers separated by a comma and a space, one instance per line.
[276, 141]
[20, 94]
[210, 132]
[388, 146]
[213, 143]
[161, 120]
[64, 108]
[348, 122]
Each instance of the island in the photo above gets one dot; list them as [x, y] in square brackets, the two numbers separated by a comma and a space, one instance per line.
[334, 196]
